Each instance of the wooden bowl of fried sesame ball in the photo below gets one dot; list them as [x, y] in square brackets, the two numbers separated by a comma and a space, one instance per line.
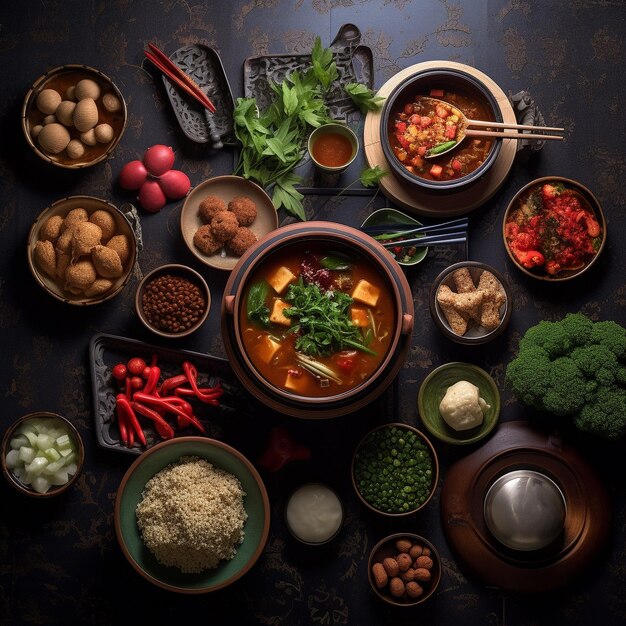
[173, 301]
[395, 470]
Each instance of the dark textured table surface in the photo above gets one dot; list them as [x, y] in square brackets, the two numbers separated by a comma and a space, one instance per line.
[59, 559]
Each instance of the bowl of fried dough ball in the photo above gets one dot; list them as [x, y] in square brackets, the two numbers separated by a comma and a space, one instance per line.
[223, 217]
[471, 302]
[82, 250]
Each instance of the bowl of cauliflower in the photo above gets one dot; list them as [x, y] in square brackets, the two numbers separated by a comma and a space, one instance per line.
[459, 403]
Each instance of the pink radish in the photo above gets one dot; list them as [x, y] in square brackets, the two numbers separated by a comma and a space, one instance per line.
[133, 175]
[151, 196]
[158, 159]
[175, 184]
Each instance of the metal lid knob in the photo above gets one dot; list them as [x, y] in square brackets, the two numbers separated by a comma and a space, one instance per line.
[525, 510]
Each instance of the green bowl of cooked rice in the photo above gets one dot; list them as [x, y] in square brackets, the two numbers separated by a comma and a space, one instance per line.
[192, 515]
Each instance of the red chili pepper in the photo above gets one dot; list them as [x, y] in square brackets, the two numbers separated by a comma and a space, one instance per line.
[128, 388]
[169, 384]
[121, 425]
[153, 379]
[164, 403]
[124, 406]
[209, 394]
[155, 360]
[161, 426]
[192, 376]
[281, 449]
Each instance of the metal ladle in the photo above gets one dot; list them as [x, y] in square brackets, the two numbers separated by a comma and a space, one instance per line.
[464, 130]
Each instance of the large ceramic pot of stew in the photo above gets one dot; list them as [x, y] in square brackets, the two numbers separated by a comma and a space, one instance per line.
[414, 128]
[317, 319]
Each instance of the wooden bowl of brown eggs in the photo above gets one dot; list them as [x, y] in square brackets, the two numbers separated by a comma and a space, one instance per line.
[82, 250]
[73, 116]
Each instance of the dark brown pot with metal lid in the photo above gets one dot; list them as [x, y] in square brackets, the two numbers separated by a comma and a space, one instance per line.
[295, 242]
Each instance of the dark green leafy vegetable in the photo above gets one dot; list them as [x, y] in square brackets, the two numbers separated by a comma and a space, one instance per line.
[256, 308]
[393, 469]
[335, 261]
[372, 175]
[364, 97]
[323, 322]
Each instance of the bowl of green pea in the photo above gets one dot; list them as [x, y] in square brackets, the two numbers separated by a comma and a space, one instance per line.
[395, 470]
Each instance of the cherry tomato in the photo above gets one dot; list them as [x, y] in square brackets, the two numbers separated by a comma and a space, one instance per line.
[136, 382]
[119, 372]
[136, 366]
[146, 372]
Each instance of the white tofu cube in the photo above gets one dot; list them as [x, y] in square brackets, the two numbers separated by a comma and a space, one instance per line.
[268, 347]
[366, 293]
[277, 316]
[281, 279]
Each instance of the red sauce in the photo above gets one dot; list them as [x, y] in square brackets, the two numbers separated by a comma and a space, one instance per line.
[332, 149]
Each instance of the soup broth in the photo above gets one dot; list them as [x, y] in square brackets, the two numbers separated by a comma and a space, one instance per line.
[316, 322]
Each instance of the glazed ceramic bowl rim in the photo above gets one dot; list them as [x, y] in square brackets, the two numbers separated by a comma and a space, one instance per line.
[105, 205]
[451, 439]
[29, 102]
[435, 475]
[54, 490]
[183, 271]
[593, 202]
[439, 318]
[314, 232]
[434, 583]
[341, 523]
[204, 441]
[395, 164]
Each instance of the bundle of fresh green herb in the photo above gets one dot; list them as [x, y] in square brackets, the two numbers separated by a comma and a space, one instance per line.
[323, 321]
[273, 141]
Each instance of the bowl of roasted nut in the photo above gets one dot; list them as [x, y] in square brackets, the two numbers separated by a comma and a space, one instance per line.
[73, 116]
[82, 250]
[173, 300]
[471, 302]
[404, 569]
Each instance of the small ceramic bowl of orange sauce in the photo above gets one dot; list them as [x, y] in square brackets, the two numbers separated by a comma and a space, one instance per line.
[333, 147]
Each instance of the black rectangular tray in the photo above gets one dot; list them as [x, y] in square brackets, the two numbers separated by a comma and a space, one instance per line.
[107, 350]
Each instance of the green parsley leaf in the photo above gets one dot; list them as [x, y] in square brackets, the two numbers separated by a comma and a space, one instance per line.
[364, 97]
[372, 176]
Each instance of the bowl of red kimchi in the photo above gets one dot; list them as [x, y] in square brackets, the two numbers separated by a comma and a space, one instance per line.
[554, 229]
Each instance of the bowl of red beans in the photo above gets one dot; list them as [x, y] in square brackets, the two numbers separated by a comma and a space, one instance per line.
[554, 229]
[422, 121]
[173, 300]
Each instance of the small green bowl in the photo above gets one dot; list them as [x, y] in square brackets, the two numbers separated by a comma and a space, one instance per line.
[391, 216]
[434, 388]
[256, 504]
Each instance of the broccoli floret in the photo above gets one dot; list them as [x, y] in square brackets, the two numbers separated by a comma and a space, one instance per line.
[597, 362]
[574, 367]
[612, 336]
[567, 393]
[606, 416]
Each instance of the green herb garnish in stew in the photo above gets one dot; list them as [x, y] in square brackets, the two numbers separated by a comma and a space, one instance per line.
[317, 323]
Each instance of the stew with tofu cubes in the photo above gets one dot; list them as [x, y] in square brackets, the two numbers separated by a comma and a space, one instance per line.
[316, 324]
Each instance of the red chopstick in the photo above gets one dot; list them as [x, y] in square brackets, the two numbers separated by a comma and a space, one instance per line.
[175, 74]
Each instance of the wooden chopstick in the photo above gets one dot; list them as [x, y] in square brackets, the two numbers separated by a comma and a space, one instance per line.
[176, 75]
[518, 126]
[486, 133]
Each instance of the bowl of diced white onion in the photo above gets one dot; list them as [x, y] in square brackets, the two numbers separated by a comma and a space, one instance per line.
[42, 454]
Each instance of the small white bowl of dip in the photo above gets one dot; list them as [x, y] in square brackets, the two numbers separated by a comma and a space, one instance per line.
[314, 514]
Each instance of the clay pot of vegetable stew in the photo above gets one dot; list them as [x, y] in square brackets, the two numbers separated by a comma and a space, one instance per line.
[407, 139]
[317, 319]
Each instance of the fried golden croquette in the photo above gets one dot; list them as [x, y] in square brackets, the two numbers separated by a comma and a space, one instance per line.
[244, 209]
